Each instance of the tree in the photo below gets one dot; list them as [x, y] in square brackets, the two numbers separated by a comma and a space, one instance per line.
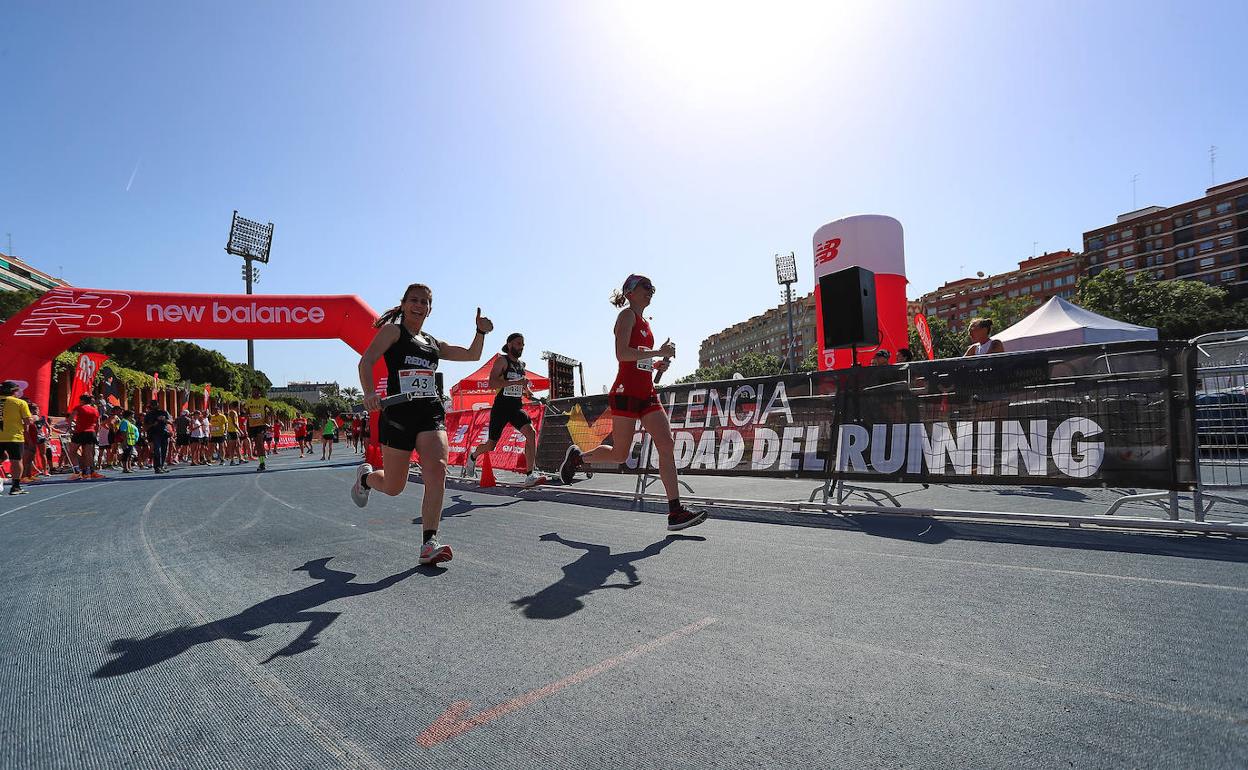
[946, 343]
[748, 365]
[1005, 311]
[13, 302]
[1179, 309]
[353, 394]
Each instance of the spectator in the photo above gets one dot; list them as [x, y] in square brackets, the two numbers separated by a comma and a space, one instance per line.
[880, 358]
[904, 356]
[38, 446]
[182, 442]
[199, 438]
[982, 343]
[14, 417]
[329, 434]
[156, 421]
[85, 419]
[128, 433]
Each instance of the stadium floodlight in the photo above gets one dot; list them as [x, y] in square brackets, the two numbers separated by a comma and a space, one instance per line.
[786, 268]
[786, 276]
[251, 241]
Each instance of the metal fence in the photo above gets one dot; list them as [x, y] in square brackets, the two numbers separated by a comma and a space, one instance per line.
[1222, 418]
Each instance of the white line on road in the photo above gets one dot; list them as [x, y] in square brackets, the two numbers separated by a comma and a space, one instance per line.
[42, 500]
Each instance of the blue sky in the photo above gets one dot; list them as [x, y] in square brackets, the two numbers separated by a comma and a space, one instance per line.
[525, 157]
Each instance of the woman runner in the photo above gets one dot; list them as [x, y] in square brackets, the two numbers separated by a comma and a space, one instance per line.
[633, 398]
[411, 357]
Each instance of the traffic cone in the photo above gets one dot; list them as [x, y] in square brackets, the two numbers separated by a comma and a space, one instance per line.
[487, 472]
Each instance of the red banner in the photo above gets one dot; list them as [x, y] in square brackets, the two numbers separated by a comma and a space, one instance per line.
[469, 428]
[84, 375]
[925, 335]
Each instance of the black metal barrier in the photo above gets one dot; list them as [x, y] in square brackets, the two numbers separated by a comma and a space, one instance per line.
[1095, 415]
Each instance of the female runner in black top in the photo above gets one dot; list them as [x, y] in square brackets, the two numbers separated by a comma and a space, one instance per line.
[411, 358]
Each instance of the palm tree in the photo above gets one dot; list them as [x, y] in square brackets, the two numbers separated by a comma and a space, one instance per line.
[352, 394]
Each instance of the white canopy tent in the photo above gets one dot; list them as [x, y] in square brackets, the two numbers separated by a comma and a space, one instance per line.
[1057, 323]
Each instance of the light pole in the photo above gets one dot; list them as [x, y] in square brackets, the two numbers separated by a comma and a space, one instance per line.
[251, 241]
[786, 276]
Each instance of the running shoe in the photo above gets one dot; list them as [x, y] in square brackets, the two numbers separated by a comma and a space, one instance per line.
[97, 476]
[531, 481]
[260, 468]
[684, 518]
[359, 492]
[20, 491]
[433, 552]
[571, 462]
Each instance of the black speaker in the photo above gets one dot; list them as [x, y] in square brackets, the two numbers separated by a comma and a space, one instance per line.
[848, 301]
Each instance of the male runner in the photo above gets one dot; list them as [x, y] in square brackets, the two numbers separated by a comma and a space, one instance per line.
[217, 424]
[14, 417]
[508, 379]
[258, 425]
[300, 426]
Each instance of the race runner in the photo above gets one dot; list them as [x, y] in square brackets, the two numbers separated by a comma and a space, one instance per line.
[508, 378]
[419, 423]
[633, 398]
[258, 424]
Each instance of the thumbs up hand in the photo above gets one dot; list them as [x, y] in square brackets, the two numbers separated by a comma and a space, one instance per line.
[484, 325]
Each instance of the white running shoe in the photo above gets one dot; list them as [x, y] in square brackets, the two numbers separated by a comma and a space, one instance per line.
[359, 492]
[433, 552]
[531, 480]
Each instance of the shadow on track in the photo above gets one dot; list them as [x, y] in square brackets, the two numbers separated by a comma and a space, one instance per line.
[138, 654]
[588, 574]
[932, 531]
[460, 507]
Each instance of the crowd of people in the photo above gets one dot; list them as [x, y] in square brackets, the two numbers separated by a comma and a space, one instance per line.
[96, 436]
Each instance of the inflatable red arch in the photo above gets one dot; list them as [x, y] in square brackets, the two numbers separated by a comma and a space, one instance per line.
[30, 340]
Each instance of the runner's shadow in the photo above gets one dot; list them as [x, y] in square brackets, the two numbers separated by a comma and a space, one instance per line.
[295, 607]
[462, 506]
[588, 574]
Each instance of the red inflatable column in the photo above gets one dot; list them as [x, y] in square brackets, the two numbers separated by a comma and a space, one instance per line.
[873, 242]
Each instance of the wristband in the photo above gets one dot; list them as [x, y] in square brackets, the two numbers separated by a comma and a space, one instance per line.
[482, 333]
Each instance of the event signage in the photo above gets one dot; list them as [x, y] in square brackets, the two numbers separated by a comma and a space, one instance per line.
[1085, 416]
[84, 375]
[925, 335]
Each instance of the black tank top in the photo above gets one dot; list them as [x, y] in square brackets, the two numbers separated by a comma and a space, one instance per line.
[514, 375]
[411, 362]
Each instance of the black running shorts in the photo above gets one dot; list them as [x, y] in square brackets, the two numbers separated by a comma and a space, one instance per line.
[402, 423]
[85, 437]
[11, 450]
[502, 415]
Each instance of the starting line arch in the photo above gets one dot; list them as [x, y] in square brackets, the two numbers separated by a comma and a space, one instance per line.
[31, 339]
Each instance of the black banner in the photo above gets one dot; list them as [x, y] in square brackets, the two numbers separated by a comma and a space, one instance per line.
[1093, 415]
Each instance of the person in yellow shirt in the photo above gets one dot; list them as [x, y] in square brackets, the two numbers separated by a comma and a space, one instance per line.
[258, 419]
[216, 433]
[14, 417]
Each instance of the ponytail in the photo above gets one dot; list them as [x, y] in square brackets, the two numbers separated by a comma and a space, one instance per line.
[395, 314]
[618, 299]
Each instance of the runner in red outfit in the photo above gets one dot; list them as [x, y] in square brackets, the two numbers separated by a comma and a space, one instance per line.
[633, 398]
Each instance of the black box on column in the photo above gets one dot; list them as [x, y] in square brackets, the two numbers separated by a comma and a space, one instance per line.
[847, 298]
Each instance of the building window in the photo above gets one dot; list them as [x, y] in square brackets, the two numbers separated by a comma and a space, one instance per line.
[1206, 263]
[1048, 285]
[1128, 249]
[1111, 253]
[1148, 261]
[1204, 213]
[1013, 293]
[1224, 207]
[1227, 241]
[1126, 234]
[1025, 290]
[1206, 246]
[1035, 287]
[1127, 264]
[1228, 275]
[1226, 224]
[1112, 238]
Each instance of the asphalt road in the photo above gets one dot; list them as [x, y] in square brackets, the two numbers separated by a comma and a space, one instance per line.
[249, 620]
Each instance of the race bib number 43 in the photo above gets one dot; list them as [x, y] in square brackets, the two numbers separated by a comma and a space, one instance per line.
[418, 383]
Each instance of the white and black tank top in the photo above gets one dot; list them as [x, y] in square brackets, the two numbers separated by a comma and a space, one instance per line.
[410, 365]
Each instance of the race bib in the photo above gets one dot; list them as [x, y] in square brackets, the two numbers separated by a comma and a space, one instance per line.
[418, 382]
[515, 390]
[647, 365]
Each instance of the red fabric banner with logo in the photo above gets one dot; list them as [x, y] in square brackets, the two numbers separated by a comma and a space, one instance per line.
[84, 375]
[468, 428]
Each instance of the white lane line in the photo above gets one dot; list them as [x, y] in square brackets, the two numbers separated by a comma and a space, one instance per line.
[42, 500]
[273, 689]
